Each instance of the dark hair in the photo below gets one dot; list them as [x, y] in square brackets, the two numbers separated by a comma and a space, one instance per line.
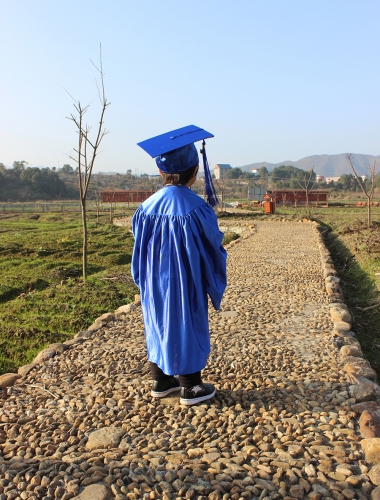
[179, 179]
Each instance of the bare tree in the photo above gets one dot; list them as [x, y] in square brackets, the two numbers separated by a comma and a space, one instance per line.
[307, 183]
[87, 151]
[112, 199]
[368, 192]
[97, 199]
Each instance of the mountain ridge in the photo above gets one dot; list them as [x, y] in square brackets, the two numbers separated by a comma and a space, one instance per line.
[326, 165]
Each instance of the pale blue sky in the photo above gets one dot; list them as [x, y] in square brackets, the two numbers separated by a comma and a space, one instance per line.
[272, 80]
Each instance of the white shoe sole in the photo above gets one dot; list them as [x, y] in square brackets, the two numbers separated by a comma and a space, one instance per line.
[162, 394]
[194, 401]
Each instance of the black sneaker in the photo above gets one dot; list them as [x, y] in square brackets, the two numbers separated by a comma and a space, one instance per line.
[196, 394]
[163, 388]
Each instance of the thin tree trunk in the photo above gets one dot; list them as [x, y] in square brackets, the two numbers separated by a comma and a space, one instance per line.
[369, 211]
[84, 224]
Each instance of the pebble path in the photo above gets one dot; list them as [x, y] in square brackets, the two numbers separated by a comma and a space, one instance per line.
[82, 424]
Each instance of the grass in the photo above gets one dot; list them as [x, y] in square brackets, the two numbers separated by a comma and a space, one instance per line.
[230, 236]
[43, 298]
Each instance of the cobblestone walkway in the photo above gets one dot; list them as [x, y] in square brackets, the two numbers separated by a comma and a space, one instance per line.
[280, 426]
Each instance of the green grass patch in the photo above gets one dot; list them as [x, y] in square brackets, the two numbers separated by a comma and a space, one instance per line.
[43, 298]
[230, 236]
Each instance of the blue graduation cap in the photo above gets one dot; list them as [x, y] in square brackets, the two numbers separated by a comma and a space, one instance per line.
[175, 152]
[165, 143]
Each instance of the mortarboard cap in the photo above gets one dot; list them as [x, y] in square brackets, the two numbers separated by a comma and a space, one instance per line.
[164, 143]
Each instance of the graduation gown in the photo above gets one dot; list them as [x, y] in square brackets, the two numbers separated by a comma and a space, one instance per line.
[178, 260]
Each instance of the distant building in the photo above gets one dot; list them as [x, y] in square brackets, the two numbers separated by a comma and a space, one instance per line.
[364, 178]
[219, 170]
[254, 171]
[320, 178]
[332, 179]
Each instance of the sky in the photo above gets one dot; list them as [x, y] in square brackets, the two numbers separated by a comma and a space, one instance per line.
[273, 81]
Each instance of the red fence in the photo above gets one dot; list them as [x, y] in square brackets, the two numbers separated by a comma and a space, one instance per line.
[124, 196]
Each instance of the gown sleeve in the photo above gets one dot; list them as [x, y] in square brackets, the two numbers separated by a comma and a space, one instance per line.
[213, 256]
[137, 230]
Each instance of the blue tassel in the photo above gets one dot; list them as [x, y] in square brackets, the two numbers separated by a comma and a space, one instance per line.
[212, 198]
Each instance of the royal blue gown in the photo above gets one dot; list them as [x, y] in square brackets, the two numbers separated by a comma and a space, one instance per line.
[178, 260]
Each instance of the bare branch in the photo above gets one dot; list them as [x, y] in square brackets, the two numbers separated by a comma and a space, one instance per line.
[306, 186]
[85, 158]
[67, 92]
[97, 86]
[102, 97]
[85, 133]
[80, 155]
[100, 152]
[75, 159]
[372, 171]
[350, 158]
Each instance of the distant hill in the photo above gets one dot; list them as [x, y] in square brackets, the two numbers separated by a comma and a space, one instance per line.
[326, 165]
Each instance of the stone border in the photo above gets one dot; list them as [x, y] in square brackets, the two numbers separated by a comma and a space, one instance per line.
[251, 229]
[7, 380]
[364, 390]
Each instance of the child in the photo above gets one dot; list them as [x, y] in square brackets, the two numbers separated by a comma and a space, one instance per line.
[177, 261]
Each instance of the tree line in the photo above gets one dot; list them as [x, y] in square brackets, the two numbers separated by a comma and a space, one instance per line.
[290, 177]
[23, 183]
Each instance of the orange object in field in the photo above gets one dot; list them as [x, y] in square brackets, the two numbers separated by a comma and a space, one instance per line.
[269, 204]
